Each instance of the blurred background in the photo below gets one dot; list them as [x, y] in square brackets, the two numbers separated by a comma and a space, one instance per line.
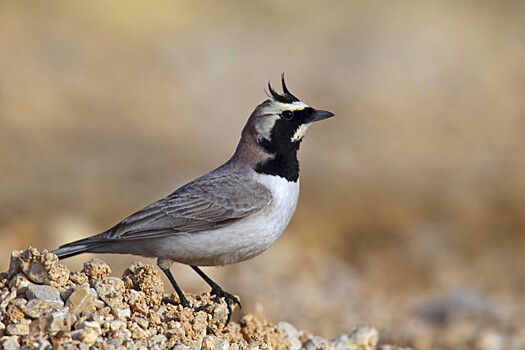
[412, 211]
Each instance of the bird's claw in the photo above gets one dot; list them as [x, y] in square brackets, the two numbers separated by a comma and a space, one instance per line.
[202, 307]
[217, 293]
[230, 300]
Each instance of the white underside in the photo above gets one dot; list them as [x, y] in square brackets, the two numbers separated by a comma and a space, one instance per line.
[239, 241]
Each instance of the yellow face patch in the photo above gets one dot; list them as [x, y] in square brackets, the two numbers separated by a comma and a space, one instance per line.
[294, 106]
[300, 132]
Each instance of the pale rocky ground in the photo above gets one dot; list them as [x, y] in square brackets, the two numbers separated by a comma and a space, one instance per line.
[43, 305]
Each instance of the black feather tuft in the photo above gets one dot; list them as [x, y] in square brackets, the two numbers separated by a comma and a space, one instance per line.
[286, 97]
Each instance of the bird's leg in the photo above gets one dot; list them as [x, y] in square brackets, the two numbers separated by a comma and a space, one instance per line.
[219, 292]
[216, 289]
[164, 265]
[183, 301]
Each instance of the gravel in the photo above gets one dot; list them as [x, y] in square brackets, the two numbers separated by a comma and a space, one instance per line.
[43, 305]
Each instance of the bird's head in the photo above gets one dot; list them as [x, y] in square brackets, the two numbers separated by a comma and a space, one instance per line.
[280, 123]
[274, 131]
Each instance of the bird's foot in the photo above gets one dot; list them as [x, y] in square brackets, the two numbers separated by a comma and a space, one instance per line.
[185, 303]
[230, 300]
[182, 301]
[218, 293]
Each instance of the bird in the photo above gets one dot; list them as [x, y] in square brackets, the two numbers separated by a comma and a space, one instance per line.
[229, 215]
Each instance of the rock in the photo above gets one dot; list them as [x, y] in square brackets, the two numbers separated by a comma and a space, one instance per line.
[81, 300]
[157, 341]
[99, 304]
[78, 277]
[118, 329]
[6, 297]
[36, 308]
[41, 268]
[363, 338]
[65, 294]
[59, 321]
[138, 301]
[220, 313]
[19, 282]
[212, 343]
[17, 329]
[137, 332]
[96, 269]
[10, 343]
[121, 314]
[88, 336]
[142, 322]
[260, 331]
[35, 291]
[255, 345]
[145, 278]
[58, 340]
[117, 325]
[41, 343]
[111, 291]
[4, 280]
[316, 343]
[489, 340]
[176, 332]
[291, 335]
[90, 332]
[131, 313]
[15, 311]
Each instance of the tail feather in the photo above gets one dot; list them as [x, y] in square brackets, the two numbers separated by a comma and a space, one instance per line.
[75, 248]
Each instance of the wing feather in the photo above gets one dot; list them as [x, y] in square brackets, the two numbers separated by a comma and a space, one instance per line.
[206, 203]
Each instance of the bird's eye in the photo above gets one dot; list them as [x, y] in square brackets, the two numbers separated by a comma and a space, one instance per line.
[287, 115]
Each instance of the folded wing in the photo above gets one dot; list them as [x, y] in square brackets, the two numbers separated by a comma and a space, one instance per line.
[204, 204]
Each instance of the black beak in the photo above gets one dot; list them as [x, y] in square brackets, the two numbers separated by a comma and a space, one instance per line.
[320, 115]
